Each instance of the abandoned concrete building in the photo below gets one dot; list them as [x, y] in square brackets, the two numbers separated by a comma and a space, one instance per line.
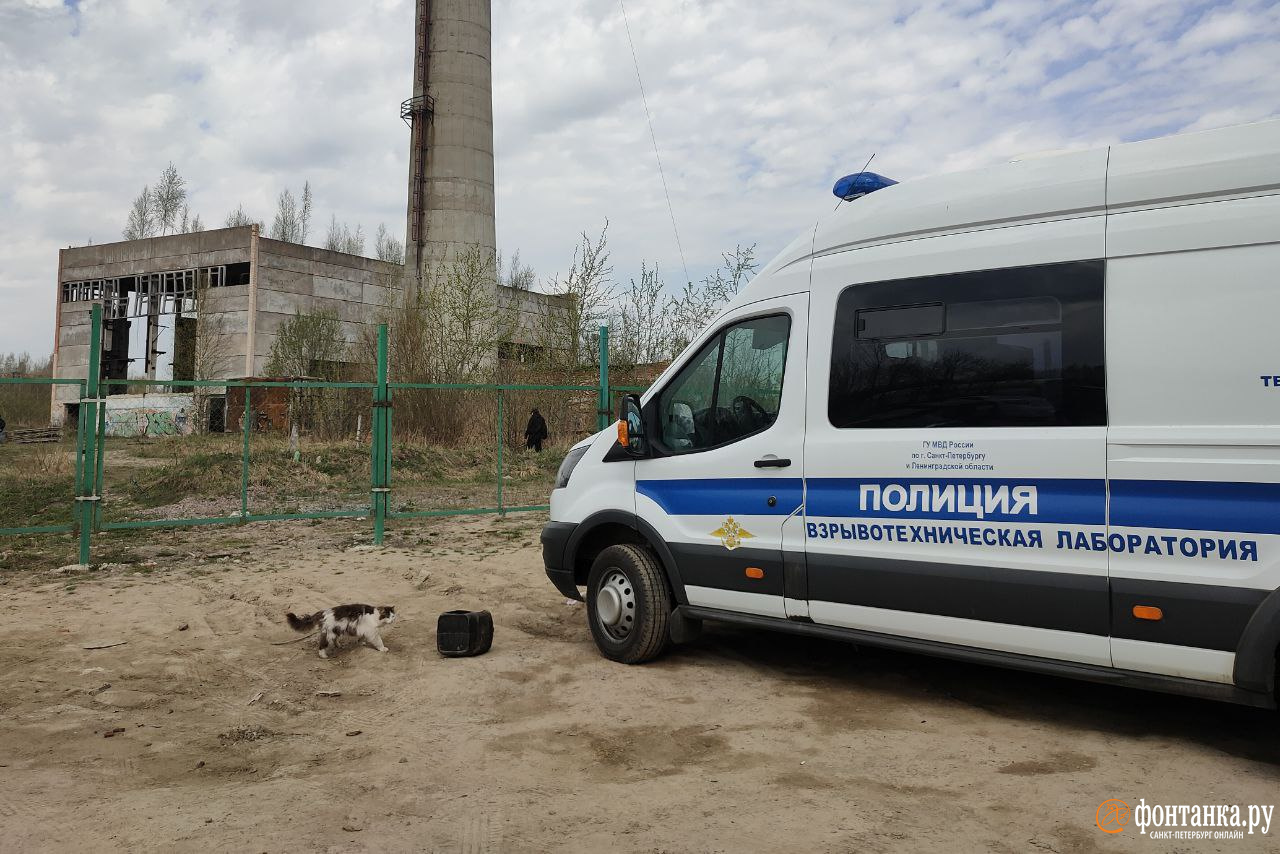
[220, 296]
[216, 299]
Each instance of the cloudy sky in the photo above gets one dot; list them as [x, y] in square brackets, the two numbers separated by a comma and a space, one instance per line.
[758, 108]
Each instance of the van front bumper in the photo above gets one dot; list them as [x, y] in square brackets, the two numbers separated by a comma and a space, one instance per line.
[555, 545]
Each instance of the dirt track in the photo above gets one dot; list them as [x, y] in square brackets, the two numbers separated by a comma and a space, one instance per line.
[741, 742]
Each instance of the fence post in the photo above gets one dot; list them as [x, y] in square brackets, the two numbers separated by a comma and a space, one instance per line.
[381, 453]
[247, 423]
[96, 505]
[80, 469]
[606, 407]
[501, 442]
[89, 417]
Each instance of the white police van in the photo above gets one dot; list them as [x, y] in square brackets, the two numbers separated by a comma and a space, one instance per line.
[1027, 415]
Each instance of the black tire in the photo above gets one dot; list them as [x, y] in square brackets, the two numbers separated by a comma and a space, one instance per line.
[640, 632]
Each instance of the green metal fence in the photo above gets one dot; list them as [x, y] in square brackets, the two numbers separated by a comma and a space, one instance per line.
[91, 434]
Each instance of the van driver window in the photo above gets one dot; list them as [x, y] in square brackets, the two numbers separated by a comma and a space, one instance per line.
[731, 389]
[997, 348]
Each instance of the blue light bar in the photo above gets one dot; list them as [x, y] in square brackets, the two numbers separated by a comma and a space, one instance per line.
[858, 184]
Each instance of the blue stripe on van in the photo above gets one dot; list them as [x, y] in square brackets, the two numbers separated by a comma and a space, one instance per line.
[1252, 508]
[1247, 508]
[742, 496]
[1062, 501]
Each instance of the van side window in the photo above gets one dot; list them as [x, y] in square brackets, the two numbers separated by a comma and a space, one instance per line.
[731, 389]
[997, 348]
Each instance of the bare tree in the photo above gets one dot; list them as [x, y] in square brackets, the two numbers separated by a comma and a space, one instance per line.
[293, 219]
[465, 322]
[386, 247]
[190, 223]
[355, 242]
[310, 345]
[515, 274]
[26, 405]
[566, 338]
[142, 217]
[238, 218]
[643, 333]
[214, 356]
[162, 209]
[306, 345]
[168, 198]
[287, 224]
[698, 304]
[450, 330]
[304, 213]
[341, 238]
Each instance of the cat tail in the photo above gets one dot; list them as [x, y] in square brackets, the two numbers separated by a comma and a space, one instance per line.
[302, 624]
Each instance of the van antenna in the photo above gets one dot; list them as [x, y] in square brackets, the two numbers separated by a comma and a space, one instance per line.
[654, 137]
[864, 169]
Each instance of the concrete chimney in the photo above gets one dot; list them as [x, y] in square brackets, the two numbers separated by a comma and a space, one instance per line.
[451, 196]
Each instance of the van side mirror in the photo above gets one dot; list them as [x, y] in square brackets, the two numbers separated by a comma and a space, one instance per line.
[631, 435]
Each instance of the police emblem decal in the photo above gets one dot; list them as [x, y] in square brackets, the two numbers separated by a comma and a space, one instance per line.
[732, 534]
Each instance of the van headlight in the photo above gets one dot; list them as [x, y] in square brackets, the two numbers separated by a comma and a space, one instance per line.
[571, 461]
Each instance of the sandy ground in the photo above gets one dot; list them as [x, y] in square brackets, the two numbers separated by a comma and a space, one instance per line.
[743, 741]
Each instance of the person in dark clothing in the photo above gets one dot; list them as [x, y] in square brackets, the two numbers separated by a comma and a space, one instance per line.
[536, 433]
[2, 426]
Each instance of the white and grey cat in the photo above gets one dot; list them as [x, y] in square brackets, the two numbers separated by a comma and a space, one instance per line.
[359, 621]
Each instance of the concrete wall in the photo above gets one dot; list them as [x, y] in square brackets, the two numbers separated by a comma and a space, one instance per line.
[536, 313]
[223, 331]
[71, 354]
[294, 279]
[155, 254]
[152, 415]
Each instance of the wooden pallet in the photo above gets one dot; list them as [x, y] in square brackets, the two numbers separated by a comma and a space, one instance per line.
[35, 435]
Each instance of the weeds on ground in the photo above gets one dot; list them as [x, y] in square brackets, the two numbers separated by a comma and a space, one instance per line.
[210, 467]
[36, 484]
[143, 476]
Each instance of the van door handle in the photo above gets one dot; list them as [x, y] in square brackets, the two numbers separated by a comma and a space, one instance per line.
[773, 463]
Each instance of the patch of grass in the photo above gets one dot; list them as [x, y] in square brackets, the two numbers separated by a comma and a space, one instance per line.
[200, 474]
[40, 551]
[426, 465]
[37, 488]
[346, 460]
[28, 504]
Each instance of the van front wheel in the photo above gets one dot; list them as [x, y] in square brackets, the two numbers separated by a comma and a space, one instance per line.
[628, 604]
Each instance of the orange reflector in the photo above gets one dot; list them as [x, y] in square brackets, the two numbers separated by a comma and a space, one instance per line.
[755, 572]
[623, 438]
[1147, 612]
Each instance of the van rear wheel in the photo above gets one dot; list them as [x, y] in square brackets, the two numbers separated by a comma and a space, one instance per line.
[628, 604]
